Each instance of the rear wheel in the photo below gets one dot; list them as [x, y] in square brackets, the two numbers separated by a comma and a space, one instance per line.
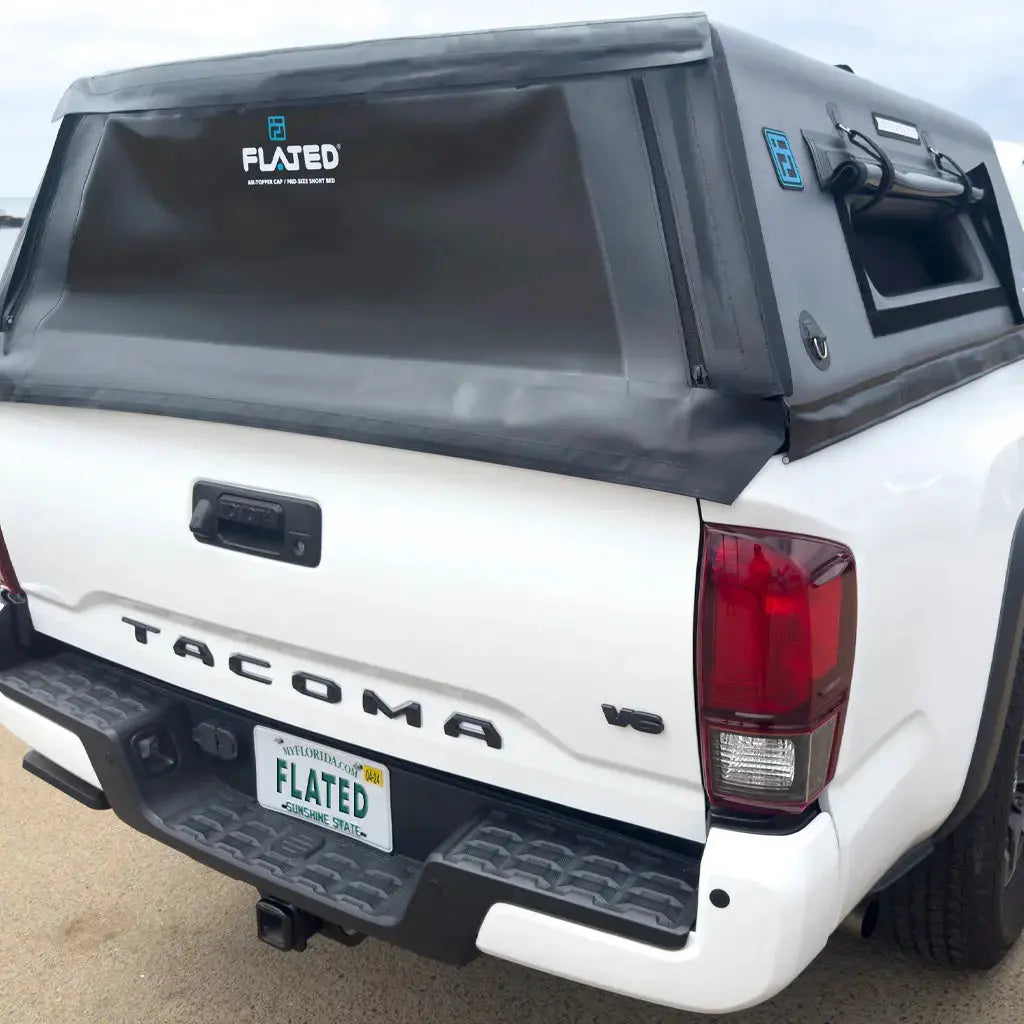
[964, 905]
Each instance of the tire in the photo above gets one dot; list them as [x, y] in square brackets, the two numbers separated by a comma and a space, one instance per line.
[956, 908]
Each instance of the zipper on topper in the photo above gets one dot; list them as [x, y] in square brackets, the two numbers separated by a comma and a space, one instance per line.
[699, 376]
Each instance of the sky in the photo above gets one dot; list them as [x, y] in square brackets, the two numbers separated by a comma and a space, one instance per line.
[966, 56]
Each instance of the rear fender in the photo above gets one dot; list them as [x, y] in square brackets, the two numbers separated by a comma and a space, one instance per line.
[1006, 658]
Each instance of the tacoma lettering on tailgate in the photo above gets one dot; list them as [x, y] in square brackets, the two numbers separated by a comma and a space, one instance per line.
[321, 688]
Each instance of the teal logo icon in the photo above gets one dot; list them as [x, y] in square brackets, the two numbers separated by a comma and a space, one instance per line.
[276, 128]
[784, 159]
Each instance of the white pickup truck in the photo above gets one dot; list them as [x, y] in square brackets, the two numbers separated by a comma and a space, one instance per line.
[551, 493]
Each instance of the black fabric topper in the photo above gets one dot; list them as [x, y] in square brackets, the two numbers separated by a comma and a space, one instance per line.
[563, 248]
[434, 272]
[388, 65]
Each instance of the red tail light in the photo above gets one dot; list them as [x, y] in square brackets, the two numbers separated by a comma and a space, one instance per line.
[776, 625]
[8, 578]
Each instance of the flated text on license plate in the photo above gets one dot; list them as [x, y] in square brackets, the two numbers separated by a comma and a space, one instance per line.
[341, 792]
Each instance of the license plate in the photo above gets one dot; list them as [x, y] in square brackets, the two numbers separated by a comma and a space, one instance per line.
[340, 792]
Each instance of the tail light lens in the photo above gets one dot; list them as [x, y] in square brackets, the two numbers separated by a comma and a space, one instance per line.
[8, 578]
[776, 626]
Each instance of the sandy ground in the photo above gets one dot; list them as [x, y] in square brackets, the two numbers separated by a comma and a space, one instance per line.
[100, 924]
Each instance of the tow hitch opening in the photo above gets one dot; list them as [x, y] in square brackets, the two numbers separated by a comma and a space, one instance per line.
[283, 925]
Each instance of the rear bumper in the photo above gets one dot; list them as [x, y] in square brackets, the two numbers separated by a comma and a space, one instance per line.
[783, 906]
[472, 870]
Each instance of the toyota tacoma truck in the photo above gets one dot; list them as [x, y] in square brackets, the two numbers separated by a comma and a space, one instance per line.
[553, 493]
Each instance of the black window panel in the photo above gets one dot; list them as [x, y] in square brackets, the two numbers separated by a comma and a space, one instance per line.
[457, 229]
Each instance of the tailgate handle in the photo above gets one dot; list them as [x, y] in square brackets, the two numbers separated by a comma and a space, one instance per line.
[256, 523]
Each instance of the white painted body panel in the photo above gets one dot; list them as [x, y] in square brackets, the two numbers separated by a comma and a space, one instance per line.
[530, 599]
[51, 740]
[928, 502]
[525, 598]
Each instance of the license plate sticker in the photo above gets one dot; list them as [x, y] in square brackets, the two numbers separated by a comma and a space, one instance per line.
[340, 792]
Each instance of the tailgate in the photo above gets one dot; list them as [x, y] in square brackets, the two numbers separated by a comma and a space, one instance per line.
[522, 599]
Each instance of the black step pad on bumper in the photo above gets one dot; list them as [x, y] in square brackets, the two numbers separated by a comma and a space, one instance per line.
[577, 865]
[459, 849]
[337, 871]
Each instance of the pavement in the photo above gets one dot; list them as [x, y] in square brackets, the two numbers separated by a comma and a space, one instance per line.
[100, 924]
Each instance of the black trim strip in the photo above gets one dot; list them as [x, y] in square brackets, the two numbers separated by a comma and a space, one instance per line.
[894, 319]
[904, 865]
[920, 314]
[762, 824]
[817, 425]
[670, 231]
[988, 222]
[67, 782]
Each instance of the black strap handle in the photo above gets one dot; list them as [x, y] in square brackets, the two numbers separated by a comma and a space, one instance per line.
[954, 168]
[869, 146]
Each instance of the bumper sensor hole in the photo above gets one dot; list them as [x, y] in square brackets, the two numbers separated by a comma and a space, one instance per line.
[719, 898]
